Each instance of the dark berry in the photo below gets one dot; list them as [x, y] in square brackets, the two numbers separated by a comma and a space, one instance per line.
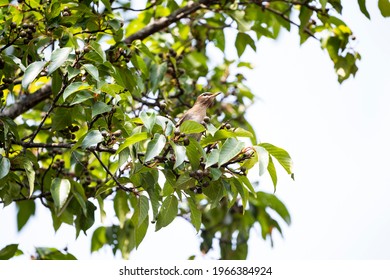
[186, 141]
[199, 173]
[199, 190]
[13, 25]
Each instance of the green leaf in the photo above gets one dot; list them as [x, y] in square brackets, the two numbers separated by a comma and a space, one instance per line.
[8, 251]
[155, 146]
[189, 127]
[238, 184]
[157, 74]
[100, 55]
[74, 87]
[148, 120]
[168, 212]
[99, 239]
[61, 118]
[141, 231]
[363, 8]
[270, 200]
[57, 59]
[281, 156]
[166, 124]
[225, 134]
[79, 193]
[384, 7]
[132, 140]
[5, 166]
[229, 150]
[212, 158]
[242, 41]
[53, 254]
[92, 70]
[215, 192]
[180, 154]
[323, 4]
[247, 183]
[121, 207]
[25, 210]
[59, 190]
[28, 166]
[242, 23]
[263, 159]
[92, 138]
[143, 206]
[84, 222]
[81, 96]
[32, 71]
[196, 214]
[195, 152]
[184, 182]
[272, 172]
[100, 108]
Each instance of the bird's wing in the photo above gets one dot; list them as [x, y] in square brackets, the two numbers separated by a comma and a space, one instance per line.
[185, 117]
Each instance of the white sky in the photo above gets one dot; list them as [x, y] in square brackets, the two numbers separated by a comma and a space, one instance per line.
[337, 135]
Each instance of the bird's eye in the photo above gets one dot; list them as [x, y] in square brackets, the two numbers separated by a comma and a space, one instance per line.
[206, 94]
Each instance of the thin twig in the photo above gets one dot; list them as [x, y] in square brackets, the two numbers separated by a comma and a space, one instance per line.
[135, 10]
[112, 175]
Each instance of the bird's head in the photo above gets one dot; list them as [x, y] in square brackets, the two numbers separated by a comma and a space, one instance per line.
[206, 98]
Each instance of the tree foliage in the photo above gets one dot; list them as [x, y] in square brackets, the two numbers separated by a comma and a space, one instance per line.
[90, 93]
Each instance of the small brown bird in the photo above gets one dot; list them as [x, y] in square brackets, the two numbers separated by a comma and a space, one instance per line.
[198, 111]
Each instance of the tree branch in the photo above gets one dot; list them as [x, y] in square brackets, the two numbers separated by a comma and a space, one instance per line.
[30, 101]
[27, 102]
[122, 187]
[62, 146]
[164, 22]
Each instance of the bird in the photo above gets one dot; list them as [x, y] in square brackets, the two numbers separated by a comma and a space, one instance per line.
[198, 112]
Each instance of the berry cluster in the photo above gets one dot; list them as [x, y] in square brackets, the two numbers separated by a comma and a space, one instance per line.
[110, 138]
[69, 131]
[66, 12]
[203, 178]
[179, 135]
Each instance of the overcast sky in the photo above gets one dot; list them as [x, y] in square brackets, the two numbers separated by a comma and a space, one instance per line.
[338, 136]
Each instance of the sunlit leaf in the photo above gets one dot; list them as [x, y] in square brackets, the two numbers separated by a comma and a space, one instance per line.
[229, 150]
[155, 146]
[5, 166]
[132, 140]
[60, 189]
[57, 59]
[92, 138]
[189, 127]
[180, 154]
[29, 168]
[92, 70]
[148, 119]
[281, 155]
[32, 71]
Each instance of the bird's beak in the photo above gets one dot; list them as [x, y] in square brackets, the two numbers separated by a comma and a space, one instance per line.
[216, 94]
